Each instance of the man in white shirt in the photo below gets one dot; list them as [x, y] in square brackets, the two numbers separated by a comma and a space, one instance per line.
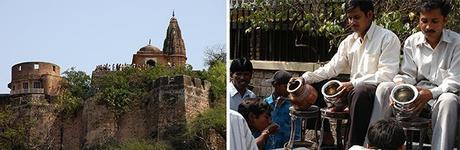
[370, 55]
[432, 63]
[240, 74]
[240, 135]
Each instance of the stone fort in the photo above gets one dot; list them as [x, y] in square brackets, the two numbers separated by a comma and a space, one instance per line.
[172, 103]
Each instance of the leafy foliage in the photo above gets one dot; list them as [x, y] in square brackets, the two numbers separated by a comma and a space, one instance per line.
[77, 82]
[13, 130]
[327, 18]
[137, 144]
[121, 90]
[69, 104]
[213, 118]
[216, 75]
[75, 88]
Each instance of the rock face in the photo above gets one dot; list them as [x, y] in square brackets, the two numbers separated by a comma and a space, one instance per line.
[163, 113]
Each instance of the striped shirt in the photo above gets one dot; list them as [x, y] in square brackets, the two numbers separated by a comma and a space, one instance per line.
[240, 134]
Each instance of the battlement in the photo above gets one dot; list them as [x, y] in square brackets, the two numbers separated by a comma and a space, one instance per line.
[182, 81]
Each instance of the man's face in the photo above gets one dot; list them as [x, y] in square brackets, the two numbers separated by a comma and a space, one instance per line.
[358, 20]
[241, 79]
[431, 23]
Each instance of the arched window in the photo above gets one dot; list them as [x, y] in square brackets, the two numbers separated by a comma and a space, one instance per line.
[151, 63]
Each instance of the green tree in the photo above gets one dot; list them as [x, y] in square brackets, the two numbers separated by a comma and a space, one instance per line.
[214, 54]
[75, 88]
[77, 82]
[122, 90]
[216, 75]
[327, 18]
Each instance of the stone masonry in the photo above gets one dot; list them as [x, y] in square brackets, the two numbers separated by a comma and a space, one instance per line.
[173, 102]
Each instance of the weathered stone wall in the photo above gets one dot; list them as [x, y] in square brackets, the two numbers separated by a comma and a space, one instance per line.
[100, 124]
[51, 84]
[37, 113]
[196, 96]
[164, 113]
[171, 106]
[132, 124]
[264, 70]
[73, 132]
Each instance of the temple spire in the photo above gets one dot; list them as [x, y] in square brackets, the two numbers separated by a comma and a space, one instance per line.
[173, 13]
[150, 41]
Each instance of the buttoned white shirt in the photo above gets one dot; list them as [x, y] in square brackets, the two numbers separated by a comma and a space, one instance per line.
[236, 98]
[371, 60]
[436, 68]
[240, 135]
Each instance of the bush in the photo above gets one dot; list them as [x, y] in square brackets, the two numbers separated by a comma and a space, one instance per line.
[137, 144]
[216, 75]
[13, 129]
[69, 104]
[122, 90]
[213, 118]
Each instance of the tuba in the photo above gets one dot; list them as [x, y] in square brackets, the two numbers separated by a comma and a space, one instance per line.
[302, 95]
[403, 96]
[330, 93]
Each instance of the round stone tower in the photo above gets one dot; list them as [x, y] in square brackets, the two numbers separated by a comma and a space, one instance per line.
[35, 78]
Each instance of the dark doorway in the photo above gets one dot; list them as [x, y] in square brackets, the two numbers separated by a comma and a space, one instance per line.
[151, 63]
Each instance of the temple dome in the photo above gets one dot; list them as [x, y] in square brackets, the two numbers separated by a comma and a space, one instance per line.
[150, 49]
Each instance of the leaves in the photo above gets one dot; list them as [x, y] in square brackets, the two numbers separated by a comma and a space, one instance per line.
[327, 18]
[122, 90]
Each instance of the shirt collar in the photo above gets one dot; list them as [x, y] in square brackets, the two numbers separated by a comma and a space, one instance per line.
[444, 37]
[233, 91]
[369, 33]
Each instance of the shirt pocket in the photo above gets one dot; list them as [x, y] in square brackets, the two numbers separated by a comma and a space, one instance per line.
[371, 60]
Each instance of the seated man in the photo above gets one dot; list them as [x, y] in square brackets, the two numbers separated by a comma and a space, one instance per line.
[370, 55]
[385, 135]
[257, 114]
[431, 63]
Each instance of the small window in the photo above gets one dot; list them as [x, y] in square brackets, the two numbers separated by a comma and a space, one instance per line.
[36, 66]
[19, 68]
[38, 85]
[54, 68]
[25, 85]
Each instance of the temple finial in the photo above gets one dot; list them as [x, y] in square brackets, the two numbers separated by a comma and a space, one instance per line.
[150, 41]
[173, 13]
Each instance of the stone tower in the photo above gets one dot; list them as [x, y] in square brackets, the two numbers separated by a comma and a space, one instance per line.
[174, 44]
[35, 78]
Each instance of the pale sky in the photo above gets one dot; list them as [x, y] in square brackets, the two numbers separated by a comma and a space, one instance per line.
[86, 33]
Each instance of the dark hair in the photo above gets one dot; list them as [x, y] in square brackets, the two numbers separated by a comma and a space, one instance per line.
[386, 135]
[364, 5]
[241, 64]
[436, 4]
[255, 106]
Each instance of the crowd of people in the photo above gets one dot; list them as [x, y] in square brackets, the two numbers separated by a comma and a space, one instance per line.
[371, 55]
